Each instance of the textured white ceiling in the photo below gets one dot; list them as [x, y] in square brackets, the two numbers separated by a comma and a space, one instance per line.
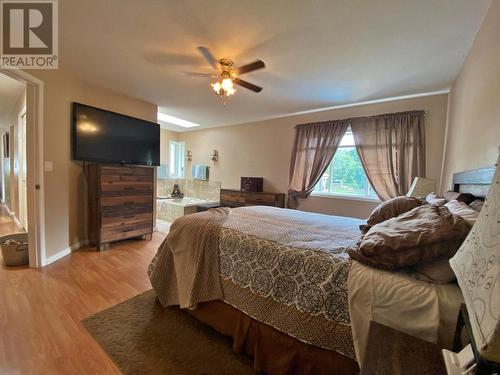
[10, 92]
[318, 53]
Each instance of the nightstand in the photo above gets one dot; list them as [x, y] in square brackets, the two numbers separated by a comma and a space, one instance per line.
[392, 352]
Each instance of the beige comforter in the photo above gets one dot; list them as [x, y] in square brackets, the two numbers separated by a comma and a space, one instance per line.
[282, 267]
[290, 270]
[185, 269]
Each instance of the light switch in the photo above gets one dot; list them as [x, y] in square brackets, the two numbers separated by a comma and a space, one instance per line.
[49, 166]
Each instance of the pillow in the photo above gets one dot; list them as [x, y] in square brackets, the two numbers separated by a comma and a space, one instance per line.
[425, 233]
[461, 209]
[392, 208]
[435, 199]
[461, 197]
[437, 271]
[476, 205]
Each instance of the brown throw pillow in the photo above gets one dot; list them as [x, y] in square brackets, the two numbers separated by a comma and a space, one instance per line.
[422, 234]
[392, 208]
[461, 197]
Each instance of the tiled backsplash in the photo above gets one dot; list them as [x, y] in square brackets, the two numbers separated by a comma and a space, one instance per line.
[209, 190]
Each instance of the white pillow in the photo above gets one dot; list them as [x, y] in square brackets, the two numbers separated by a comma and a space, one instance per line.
[435, 199]
[463, 210]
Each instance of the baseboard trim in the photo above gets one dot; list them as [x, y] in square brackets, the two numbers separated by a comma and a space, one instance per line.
[65, 252]
[12, 214]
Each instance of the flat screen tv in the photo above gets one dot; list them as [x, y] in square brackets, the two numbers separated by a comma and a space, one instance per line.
[108, 137]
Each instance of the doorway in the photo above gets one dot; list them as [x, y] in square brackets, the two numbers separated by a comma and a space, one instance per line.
[29, 165]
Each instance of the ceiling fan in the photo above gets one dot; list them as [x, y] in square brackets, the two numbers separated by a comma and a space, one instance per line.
[227, 74]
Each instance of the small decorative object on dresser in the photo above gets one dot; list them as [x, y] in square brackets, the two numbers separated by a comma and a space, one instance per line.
[121, 203]
[252, 184]
[392, 352]
[238, 198]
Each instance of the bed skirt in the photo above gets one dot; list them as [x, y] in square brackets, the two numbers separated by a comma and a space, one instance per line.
[273, 352]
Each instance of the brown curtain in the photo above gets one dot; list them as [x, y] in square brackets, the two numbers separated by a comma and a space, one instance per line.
[313, 150]
[392, 150]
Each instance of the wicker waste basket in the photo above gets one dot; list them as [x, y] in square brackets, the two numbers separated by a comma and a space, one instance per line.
[15, 249]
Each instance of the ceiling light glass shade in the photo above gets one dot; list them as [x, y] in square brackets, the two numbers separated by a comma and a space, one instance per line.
[217, 87]
[227, 84]
[224, 88]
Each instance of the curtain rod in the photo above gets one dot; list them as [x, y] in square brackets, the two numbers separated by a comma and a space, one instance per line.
[352, 118]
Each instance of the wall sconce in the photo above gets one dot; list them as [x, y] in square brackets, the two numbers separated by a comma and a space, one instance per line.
[189, 155]
[215, 155]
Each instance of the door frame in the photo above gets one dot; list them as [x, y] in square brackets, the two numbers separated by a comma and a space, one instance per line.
[34, 165]
[22, 193]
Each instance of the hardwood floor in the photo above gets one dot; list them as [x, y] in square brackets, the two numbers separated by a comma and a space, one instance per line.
[7, 225]
[41, 310]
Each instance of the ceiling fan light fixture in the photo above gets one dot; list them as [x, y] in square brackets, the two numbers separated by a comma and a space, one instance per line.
[228, 76]
[224, 88]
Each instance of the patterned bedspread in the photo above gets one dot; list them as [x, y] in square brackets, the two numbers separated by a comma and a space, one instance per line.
[285, 268]
[297, 264]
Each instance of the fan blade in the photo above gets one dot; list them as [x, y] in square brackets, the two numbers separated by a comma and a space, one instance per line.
[247, 85]
[258, 64]
[208, 56]
[203, 75]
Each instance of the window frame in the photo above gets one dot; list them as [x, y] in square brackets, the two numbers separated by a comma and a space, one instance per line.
[179, 150]
[324, 194]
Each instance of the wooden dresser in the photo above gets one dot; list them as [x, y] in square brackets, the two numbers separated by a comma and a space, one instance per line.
[121, 203]
[238, 198]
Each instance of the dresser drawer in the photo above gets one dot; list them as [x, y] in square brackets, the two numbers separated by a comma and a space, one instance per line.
[126, 200]
[126, 175]
[127, 178]
[121, 188]
[237, 198]
[126, 171]
[262, 199]
[231, 199]
[125, 219]
[126, 231]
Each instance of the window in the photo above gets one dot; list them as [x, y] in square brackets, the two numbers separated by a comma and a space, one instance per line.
[345, 175]
[176, 155]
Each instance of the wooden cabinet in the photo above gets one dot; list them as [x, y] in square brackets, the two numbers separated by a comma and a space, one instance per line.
[121, 203]
[237, 198]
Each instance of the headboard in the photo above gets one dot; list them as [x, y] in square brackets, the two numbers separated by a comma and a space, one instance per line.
[475, 181]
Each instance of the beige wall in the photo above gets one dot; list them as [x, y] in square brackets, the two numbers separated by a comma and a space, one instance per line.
[264, 148]
[65, 195]
[473, 135]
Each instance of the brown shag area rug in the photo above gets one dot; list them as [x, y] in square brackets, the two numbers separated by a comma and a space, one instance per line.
[142, 337]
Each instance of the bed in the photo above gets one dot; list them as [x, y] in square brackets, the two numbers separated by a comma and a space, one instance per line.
[281, 284]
